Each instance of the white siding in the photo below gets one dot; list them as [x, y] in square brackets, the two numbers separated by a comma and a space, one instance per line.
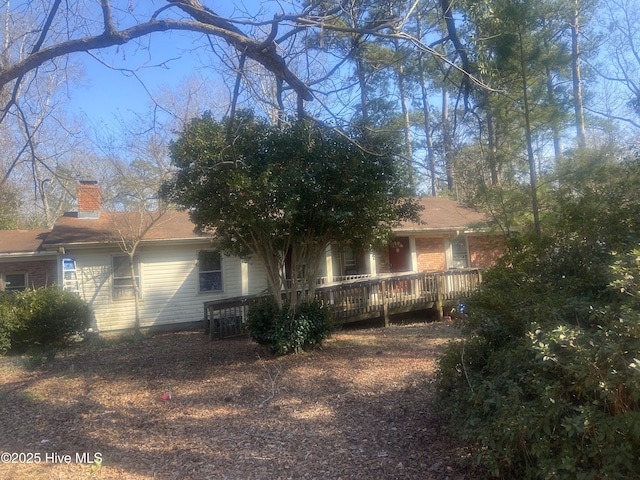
[169, 285]
[257, 278]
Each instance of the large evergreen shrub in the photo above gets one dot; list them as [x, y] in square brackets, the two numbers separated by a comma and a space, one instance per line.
[546, 382]
[8, 321]
[283, 331]
[46, 317]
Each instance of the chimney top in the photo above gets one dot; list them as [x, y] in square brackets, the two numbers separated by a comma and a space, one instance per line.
[88, 193]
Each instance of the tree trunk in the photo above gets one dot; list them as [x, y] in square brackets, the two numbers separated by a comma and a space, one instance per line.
[362, 81]
[40, 186]
[136, 289]
[493, 148]
[408, 150]
[528, 138]
[576, 77]
[447, 141]
[557, 142]
[553, 103]
[431, 158]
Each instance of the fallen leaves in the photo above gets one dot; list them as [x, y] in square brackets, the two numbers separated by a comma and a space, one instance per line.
[178, 406]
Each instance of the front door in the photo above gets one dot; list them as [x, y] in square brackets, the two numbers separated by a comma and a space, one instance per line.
[399, 254]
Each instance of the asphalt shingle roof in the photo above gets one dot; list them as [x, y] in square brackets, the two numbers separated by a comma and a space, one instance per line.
[21, 241]
[444, 214]
[170, 226]
[438, 214]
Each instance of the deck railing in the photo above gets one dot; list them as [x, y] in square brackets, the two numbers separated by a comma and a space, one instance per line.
[359, 299]
[342, 278]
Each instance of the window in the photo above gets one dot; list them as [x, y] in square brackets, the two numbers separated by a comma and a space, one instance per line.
[350, 263]
[15, 281]
[459, 256]
[209, 271]
[122, 281]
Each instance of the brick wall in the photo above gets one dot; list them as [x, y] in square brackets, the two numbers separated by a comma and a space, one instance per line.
[40, 273]
[485, 250]
[88, 197]
[430, 254]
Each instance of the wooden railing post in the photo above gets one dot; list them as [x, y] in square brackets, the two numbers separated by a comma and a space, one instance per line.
[207, 325]
[385, 303]
[440, 291]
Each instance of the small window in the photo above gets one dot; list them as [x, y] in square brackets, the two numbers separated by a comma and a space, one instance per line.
[122, 281]
[210, 271]
[350, 263]
[459, 256]
[15, 282]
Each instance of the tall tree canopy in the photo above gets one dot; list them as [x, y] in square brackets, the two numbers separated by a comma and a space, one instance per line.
[274, 193]
[481, 90]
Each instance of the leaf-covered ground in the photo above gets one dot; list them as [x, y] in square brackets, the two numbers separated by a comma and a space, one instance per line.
[359, 408]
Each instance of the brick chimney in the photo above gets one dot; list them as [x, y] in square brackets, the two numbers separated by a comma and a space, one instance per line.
[88, 193]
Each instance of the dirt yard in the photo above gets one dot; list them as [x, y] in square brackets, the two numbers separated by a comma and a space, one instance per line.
[356, 409]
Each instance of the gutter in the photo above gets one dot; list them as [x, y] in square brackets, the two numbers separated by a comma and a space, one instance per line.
[55, 247]
[443, 230]
[23, 255]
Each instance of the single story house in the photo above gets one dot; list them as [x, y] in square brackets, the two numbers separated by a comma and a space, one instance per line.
[178, 269]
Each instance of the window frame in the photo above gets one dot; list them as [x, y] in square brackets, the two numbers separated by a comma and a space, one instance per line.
[114, 278]
[6, 288]
[212, 272]
[453, 257]
[349, 261]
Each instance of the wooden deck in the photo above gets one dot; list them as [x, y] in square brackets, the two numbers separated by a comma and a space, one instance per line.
[359, 299]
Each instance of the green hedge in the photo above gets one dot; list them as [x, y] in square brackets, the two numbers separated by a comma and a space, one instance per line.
[282, 331]
[8, 321]
[41, 318]
[546, 380]
[546, 383]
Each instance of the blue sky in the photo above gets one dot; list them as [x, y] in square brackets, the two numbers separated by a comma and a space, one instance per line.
[105, 93]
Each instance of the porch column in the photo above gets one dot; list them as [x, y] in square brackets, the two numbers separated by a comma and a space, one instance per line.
[244, 276]
[328, 258]
[414, 254]
[373, 267]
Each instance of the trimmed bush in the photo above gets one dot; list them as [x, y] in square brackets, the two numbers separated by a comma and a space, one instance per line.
[47, 317]
[281, 331]
[319, 320]
[8, 321]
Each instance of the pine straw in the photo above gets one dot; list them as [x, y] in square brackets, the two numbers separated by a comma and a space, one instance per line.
[359, 408]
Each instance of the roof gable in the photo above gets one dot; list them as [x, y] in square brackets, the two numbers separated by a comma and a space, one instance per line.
[440, 213]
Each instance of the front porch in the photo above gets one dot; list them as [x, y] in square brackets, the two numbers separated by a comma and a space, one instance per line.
[360, 298]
